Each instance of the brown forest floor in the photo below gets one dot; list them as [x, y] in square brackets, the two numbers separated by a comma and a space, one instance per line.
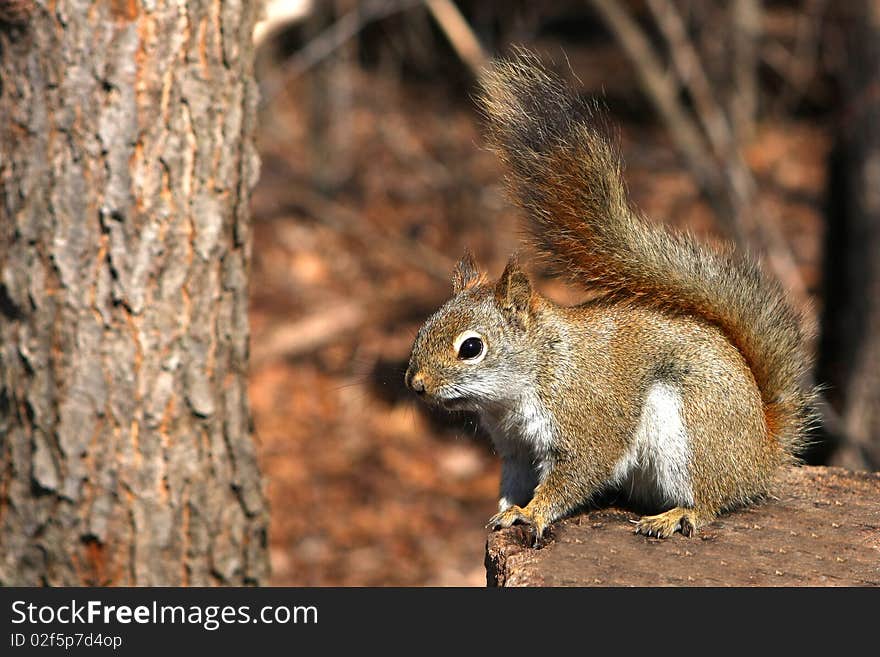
[366, 487]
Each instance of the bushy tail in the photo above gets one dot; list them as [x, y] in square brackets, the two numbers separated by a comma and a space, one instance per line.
[566, 175]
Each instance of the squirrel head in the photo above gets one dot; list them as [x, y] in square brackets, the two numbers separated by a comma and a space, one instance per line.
[476, 350]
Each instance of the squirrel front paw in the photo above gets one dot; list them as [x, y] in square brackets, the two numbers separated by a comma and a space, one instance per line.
[509, 517]
[518, 515]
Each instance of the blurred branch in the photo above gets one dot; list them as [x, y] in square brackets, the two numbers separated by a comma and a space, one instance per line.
[334, 37]
[444, 12]
[291, 339]
[693, 77]
[739, 181]
[662, 90]
[796, 68]
[459, 33]
[712, 154]
[743, 101]
[374, 238]
[278, 15]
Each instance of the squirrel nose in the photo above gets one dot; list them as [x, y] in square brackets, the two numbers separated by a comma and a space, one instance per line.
[416, 382]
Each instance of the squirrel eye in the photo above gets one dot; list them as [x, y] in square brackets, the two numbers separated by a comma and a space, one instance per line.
[470, 348]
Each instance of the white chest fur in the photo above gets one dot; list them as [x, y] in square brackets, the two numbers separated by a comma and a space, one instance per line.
[526, 427]
[654, 470]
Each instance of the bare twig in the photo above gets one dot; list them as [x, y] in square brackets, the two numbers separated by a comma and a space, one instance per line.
[341, 31]
[373, 237]
[291, 339]
[743, 102]
[693, 76]
[797, 67]
[279, 14]
[459, 33]
[662, 90]
[445, 13]
[715, 161]
[333, 38]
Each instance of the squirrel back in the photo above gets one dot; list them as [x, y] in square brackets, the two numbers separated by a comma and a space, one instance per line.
[566, 176]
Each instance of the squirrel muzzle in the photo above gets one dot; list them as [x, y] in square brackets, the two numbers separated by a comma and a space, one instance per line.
[414, 380]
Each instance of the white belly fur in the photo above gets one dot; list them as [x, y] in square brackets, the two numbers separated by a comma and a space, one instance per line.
[654, 470]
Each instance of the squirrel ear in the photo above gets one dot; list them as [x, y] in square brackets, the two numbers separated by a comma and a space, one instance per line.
[514, 290]
[466, 275]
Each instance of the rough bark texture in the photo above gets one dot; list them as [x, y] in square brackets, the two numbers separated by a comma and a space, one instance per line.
[849, 361]
[126, 162]
[823, 530]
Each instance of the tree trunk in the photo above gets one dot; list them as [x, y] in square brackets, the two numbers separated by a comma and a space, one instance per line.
[850, 349]
[126, 163]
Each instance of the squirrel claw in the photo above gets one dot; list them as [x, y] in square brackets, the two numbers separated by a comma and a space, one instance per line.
[508, 518]
[666, 524]
[517, 515]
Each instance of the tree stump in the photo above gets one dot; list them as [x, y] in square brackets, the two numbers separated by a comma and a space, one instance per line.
[820, 528]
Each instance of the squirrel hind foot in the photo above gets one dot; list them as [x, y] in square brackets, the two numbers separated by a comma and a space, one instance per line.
[663, 525]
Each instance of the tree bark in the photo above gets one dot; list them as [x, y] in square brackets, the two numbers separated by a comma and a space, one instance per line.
[850, 349]
[126, 163]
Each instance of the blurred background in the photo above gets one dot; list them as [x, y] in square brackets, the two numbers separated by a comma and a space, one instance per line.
[743, 120]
